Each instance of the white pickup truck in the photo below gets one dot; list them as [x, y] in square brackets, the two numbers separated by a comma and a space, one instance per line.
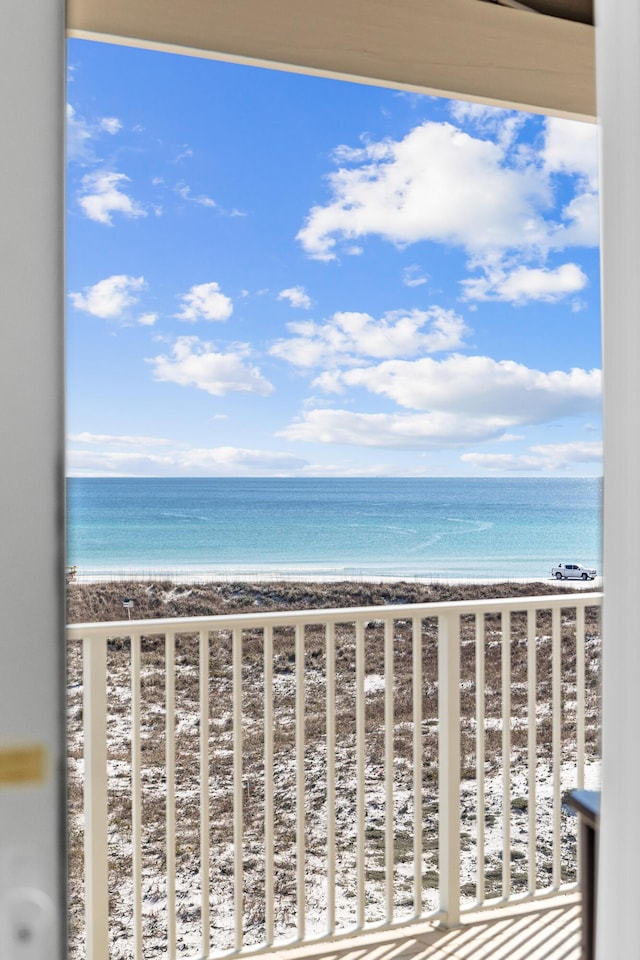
[572, 571]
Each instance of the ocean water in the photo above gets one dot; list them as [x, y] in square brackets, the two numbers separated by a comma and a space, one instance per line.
[428, 528]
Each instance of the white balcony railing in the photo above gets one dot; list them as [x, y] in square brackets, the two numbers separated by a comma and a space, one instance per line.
[255, 779]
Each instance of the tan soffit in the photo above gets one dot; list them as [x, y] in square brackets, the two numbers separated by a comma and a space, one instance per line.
[462, 48]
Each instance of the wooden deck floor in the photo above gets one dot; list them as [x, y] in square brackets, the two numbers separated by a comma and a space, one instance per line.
[546, 930]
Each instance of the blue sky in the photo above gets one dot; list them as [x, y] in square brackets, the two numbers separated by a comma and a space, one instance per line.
[279, 275]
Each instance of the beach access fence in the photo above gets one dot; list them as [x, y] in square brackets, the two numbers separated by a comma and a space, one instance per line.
[240, 782]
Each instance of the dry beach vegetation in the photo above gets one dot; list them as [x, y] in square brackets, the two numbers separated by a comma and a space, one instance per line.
[103, 602]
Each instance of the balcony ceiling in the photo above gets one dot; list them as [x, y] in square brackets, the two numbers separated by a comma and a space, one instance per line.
[536, 55]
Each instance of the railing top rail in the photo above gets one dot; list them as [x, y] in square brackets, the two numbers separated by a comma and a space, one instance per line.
[337, 615]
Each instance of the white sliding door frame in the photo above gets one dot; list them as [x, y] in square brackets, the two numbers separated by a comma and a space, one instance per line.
[32, 737]
[618, 64]
[31, 390]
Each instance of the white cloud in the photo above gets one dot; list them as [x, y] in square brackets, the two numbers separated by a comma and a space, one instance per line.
[439, 184]
[212, 462]
[425, 431]
[578, 451]
[502, 462]
[194, 363]
[526, 283]
[437, 429]
[480, 386]
[296, 296]
[82, 134]
[413, 276]
[147, 319]
[109, 298]
[504, 124]
[234, 461]
[111, 125]
[481, 114]
[571, 147]
[543, 458]
[185, 192]
[486, 193]
[94, 463]
[329, 382]
[121, 440]
[103, 195]
[349, 335]
[581, 223]
[205, 301]
[346, 468]
[78, 138]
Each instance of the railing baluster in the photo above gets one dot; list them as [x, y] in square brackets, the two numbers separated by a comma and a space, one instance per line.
[268, 787]
[95, 639]
[170, 762]
[360, 774]
[480, 754]
[449, 763]
[416, 649]
[300, 784]
[205, 910]
[238, 823]
[580, 696]
[331, 775]
[506, 754]
[532, 747]
[136, 795]
[94, 652]
[556, 654]
[389, 851]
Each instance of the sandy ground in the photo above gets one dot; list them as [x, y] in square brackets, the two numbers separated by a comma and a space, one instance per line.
[213, 577]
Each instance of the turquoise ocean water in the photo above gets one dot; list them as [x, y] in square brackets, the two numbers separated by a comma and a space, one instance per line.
[450, 527]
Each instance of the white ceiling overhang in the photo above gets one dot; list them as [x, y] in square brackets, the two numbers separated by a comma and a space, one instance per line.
[506, 52]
